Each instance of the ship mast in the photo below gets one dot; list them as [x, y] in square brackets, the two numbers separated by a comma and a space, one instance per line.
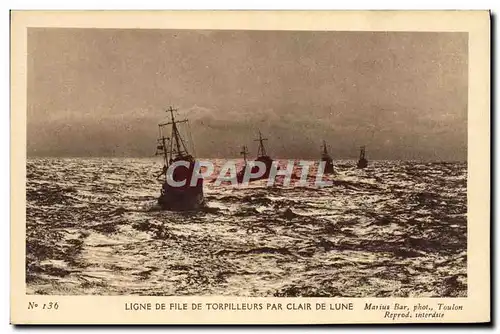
[262, 150]
[244, 152]
[162, 141]
[324, 148]
[180, 147]
[362, 153]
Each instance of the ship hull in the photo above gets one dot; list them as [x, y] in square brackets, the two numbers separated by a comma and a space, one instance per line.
[328, 166]
[363, 163]
[268, 162]
[185, 197]
[173, 199]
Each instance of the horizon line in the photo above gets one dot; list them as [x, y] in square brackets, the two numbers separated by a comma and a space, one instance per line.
[227, 158]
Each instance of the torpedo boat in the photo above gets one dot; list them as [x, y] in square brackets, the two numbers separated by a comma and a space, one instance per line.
[177, 192]
[327, 159]
[362, 162]
[261, 157]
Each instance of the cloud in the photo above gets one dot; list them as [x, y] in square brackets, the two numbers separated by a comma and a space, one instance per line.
[103, 92]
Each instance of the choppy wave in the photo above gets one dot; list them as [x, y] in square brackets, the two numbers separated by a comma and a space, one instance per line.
[394, 229]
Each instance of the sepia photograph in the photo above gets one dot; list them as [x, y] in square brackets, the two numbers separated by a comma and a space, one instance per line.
[250, 167]
[361, 139]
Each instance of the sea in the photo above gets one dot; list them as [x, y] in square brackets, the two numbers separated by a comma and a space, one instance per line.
[393, 229]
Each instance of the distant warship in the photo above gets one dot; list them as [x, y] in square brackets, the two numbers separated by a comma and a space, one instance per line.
[261, 156]
[327, 159]
[362, 162]
[173, 149]
[244, 153]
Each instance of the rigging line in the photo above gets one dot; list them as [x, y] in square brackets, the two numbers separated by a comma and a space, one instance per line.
[158, 141]
[191, 138]
[170, 149]
[183, 143]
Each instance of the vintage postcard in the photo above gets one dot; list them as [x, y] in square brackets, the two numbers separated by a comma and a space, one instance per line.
[176, 167]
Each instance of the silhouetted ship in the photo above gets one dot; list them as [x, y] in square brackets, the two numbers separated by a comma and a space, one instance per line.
[261, 156]
[362, 162]
[327, 159]
[244, 153]
[173, 149]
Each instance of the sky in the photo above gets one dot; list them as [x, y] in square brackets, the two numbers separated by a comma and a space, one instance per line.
[102, 92]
